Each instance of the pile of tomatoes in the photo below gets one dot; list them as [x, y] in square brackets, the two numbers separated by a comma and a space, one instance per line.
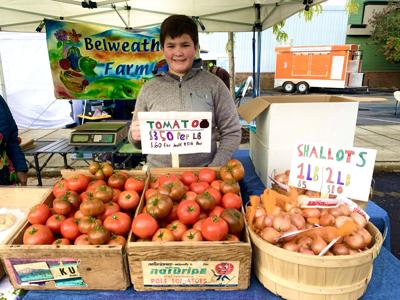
[193, 206]
[87, 210]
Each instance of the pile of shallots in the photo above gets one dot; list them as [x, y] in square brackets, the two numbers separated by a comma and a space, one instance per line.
[279, 220]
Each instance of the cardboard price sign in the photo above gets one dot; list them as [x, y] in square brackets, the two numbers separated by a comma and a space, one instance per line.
[342, 171]
[175, 132]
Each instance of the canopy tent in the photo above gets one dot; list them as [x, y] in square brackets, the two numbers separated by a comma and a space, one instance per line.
[212, 16]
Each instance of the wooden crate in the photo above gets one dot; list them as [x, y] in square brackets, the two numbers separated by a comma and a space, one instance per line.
[100, 267]
[155, 265]
[22, 198]
[293, 275]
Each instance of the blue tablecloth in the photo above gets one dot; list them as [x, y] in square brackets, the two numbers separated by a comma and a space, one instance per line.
[385, 282]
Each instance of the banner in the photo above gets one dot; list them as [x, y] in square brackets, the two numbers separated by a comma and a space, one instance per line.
[96, 62]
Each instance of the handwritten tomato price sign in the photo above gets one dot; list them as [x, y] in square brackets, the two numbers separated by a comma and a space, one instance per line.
[175, 132]
[344, 171]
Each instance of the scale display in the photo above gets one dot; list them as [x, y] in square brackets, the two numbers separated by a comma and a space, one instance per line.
[99, 133]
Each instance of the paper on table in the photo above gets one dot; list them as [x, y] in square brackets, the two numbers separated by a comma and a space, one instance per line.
[19, 218]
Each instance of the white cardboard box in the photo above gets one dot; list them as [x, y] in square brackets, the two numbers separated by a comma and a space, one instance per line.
[281, 121]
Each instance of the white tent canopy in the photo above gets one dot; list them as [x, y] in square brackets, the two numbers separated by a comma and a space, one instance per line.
[217, 16]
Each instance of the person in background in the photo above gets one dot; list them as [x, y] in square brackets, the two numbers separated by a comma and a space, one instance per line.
[183, 85]
[13, 167]
[221, 73]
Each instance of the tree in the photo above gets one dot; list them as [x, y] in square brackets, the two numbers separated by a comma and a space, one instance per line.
[386, 32]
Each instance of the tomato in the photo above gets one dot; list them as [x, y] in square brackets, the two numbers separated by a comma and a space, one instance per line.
[54, 223]
[107, 169]
[202, 215]
[149, 192]
[39, 214]
[60, 187]
[163, 235]
[86, 195]
[229, 186]
[118, 223]
[116, 193]
[215, 194]
[83, 239]
[116, 181]
[166, 179]
[128, 200]
[199, 187]
[188, 177]
[233, 169]
[87, 223]
[197, 225]
[92, 207]
[189, 195]
[232, 238]
[134, 184]
[38, 234]
[91, 186]
[78, 214]
[73, 198]
[216, 184]
[231, 200]
[94, 166]
[103, 193]
[77, 183]
[192, 235]
[62, 206]
[206, 201]
[172, 216]
[99, 175]
[62, 241]
[217, 211]
[175, 189]
[159, 206]
[144, 226]
[235, 220]
[188, 211]
[177, 228]
[207, 175]
[109, 208]
[99, 235]
[117, 240]
[69, 229]
[214, 229]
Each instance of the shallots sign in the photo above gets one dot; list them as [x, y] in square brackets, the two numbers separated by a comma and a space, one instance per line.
[175, 132]
[334, 170]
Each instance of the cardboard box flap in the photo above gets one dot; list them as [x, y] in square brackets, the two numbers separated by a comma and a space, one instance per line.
[251, 109]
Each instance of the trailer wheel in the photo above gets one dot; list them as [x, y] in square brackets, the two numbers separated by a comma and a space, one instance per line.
[288, 87]
[302, 87]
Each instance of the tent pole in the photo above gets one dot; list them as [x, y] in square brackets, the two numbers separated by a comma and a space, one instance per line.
[254, 62]
[257, 27]
[2, 82]
[259, 64]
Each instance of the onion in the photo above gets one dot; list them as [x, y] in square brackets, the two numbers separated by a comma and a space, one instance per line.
[260, 211]
[277, 210]
[259, 223]
[289, 206]
[329, 253]
[318, 244]
[359, 219]
[305, 242]
[291, 246]
[366, 236]
[345, 209]
[340, 249]
[341, 220]
[295, 210]
[282, 178]
[354, 241]
[281, 222]
[311, 213]
[298, 221]
[270, 235]
[335, 211]
[306, 251]
[267, 221]
[326, 220]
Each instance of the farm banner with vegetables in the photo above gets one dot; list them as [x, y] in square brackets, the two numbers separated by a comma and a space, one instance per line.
[95, 62]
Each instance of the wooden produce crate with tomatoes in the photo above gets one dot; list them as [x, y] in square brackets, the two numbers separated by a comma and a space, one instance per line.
[189, 233]
[76, 238]
[15, 204]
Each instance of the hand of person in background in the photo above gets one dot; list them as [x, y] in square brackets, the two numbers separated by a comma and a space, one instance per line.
[135, 127]
[22, 178]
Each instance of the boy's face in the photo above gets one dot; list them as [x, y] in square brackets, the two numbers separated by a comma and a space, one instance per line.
[179, 53]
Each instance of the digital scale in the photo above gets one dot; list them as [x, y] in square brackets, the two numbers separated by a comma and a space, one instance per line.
[99, 134]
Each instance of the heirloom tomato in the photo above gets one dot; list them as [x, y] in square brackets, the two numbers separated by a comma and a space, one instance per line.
[214, 229]
[216, 194]
[229, 186]
[60, 187]
[163, 235]
[94, 166]
[233, 169]
[62, 206]
[177, 228]
[116, 181]
[62, 241]
[235, 220]
[107, 169]
[192, 235]
[103, 193]
[117, 240]
[144, 226]
[95, 183]
[87, 223]
[99, 235]
[206, 201]
[159, 206]
[92, 207]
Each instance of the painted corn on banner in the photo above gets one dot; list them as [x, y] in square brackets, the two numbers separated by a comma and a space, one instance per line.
[96, 62]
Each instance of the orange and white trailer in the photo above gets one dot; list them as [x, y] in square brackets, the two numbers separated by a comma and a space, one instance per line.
[301, 67]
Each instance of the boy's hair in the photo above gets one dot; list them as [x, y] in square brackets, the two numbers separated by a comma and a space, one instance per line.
[177, 25]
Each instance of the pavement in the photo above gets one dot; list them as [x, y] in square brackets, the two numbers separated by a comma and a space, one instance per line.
[377, 128]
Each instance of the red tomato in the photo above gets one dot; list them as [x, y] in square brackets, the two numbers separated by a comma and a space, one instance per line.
[62, 206]
[172, 216]
[192, 235]
[83, 239]
[87, 223]
[54, 223]
[215, 194]
[214, 229]
[217, 211]
[77, 183]
[78, 214]
[118, 223]
[232, 238]
[39, 214]
[144, 226]
[188, 211]
[60, 188]
[207, 175]
[166, 179]
[188, 177]
[116, 181]
[110, 208]
[117, 240]
[163, 235]
[38, 234]
[189, 195]
[62, 241]
[86, 195]
[103, 193]
[116, 193]
[216, 184]
[149, 192]
[91, 186]
[232, 200]
[199, 187]
[128, 200]
[134, 184]
[197, 225]
[73, 198]
[69, 229]
[177, 228]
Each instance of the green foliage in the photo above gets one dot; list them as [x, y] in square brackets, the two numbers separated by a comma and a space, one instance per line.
[308, 14]
[352, 6]
[281, 36]
[386, 32]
